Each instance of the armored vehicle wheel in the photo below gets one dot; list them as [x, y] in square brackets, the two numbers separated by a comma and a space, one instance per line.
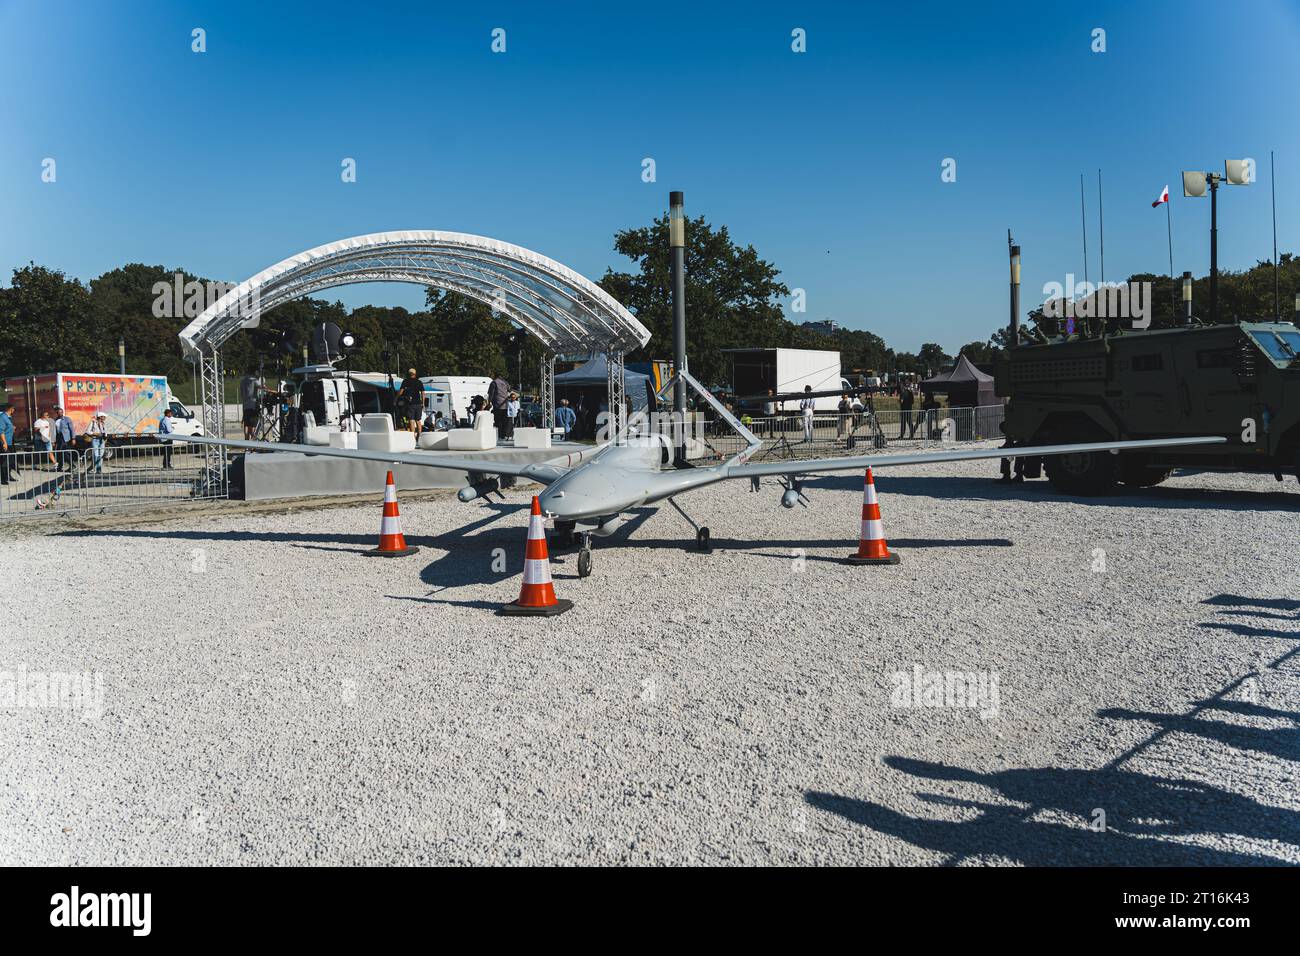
[1138, 474]
[1088, 473]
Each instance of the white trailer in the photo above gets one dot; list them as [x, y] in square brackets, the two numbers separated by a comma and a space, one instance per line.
[449, 396]
[754, 371]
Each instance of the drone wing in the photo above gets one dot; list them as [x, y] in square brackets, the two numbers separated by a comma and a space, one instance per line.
[544, 472]
[817, 465]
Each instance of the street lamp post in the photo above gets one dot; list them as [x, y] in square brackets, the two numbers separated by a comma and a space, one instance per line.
[121, 355]
[1236, 173]
[1187, 298]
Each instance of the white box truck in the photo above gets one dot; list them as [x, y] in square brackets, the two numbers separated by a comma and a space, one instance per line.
[131, 404]
[754, 371]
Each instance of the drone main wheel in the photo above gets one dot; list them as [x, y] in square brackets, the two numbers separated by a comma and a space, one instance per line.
[702, 539]
[584, 562]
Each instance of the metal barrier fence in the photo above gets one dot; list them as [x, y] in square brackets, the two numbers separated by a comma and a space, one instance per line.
[36, 483]
[104, 478]
[832, 434]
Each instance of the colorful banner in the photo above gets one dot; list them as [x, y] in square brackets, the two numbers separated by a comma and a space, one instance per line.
[132, 403]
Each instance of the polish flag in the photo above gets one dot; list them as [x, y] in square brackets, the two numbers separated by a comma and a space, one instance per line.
[1164, 197]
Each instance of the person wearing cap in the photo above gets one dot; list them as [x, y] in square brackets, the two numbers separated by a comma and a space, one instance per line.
[410, 401]
[64, 439]
[97, 432]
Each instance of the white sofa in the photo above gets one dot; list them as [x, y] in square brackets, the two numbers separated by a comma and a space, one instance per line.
[318, 434]
[343, 439]
[479, 438]
[377, 434]
[433, 441]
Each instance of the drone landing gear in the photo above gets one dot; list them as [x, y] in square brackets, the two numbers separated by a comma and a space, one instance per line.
[565, 538]
[702, 541]
[584, 557]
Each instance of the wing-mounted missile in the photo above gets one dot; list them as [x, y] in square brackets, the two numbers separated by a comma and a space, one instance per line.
[793, 494]
[479, 489]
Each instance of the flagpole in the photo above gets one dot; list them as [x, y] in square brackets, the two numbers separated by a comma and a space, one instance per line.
[1083, 216]
[1272, 182]
[1169, 225]
[1101, 223]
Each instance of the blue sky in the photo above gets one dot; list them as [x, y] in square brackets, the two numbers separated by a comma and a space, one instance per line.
[828, 162]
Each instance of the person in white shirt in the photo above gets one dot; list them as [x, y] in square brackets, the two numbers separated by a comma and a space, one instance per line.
[98, 433]
[806, 406]
[45, 436]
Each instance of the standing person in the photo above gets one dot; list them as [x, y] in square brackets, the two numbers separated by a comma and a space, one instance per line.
[498, 397]
[807, 405]
[931, 411]
[905, 401]
[64, 440]
[165, 427]
[565, 418]
[97, 431]
[769, 411]
[248, 388]
[410, 401]
[512, 414]
[44, 427]
[6, 443]
[845, 409]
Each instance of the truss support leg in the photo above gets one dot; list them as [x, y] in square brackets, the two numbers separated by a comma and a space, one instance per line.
[617, 423]
[213, 392]
[548, 392]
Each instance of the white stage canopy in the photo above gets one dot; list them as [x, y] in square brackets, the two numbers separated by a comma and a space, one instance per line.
[566, 311]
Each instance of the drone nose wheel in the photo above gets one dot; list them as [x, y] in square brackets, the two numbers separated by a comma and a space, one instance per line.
[584, 563]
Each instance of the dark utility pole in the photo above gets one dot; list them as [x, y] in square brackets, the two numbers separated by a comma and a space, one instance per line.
[677, 246]
[1214, 248]
[1015, 292]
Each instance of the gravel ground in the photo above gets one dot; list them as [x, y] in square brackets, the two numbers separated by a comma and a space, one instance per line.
[270, 696]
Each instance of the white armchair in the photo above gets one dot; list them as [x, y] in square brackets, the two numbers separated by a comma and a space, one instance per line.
[377, 434]
[479, 438]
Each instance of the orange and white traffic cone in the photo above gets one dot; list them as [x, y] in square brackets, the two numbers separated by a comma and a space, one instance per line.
[392, 543]
[537, 594]
[872, 548]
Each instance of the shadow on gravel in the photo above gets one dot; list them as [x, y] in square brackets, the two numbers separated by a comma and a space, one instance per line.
[1283, 742]
[1245, 630]
[889, 482]
[895, 544]
[1236, 600]
[1140, 810]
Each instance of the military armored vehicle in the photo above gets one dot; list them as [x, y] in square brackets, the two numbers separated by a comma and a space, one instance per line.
[1240, 381]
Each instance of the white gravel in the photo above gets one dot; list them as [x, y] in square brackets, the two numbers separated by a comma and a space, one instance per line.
[269, 696]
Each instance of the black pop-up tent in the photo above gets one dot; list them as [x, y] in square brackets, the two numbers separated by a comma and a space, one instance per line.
[966, 386]
[587, 389]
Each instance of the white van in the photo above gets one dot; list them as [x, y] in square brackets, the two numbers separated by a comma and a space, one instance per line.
[449, 396]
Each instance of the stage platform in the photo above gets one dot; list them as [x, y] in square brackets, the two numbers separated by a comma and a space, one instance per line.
[287, 474]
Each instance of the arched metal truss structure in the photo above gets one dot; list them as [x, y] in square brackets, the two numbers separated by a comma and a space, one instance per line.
[566, 311]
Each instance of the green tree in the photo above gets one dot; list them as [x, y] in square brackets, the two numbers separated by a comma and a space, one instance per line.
[932, 357]
[731, 296]
[46, 325]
